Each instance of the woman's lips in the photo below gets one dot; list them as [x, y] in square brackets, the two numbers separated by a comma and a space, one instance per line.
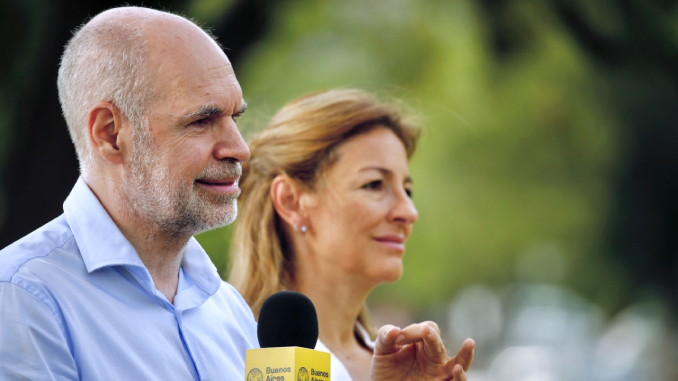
[226, 186]
[396, 242]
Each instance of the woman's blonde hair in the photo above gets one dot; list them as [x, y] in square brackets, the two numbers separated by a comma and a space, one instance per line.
[299, 142]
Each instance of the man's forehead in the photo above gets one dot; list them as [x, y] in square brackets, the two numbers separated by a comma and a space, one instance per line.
[187, 62]
[162, 31]
[179, 37]
[186, 67]
[187, 80]
[191, 97]
[221, 71]
[169, 39]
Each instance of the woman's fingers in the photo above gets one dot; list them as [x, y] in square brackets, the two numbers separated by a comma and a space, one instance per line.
[416, 332]
[465, 355]
[455, 371]
[458, 373]
[386, 338]
[391, 339]
[433, 325]
[434, 346]
[429, 333]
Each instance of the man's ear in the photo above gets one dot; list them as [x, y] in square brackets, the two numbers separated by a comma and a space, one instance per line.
[285, 194]
[104, 127]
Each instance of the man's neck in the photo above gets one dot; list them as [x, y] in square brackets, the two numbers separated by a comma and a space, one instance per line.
[161, 252]
[162, 255]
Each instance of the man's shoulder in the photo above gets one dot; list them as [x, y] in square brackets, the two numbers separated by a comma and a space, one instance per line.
[233, 302]
[234, 311]
[228, 290]
[230, 295]
[36, 245]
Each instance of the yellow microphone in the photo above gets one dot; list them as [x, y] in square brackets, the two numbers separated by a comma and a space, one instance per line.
[287, 332]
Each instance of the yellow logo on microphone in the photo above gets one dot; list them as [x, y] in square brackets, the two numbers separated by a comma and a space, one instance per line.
[284, 363]
[255, 375]
[302, 375]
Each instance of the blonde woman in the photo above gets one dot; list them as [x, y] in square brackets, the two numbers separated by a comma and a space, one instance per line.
[326, 210]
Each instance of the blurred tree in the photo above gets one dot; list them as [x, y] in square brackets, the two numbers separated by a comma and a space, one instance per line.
[509, 159]
[634, 47]
[551, 123]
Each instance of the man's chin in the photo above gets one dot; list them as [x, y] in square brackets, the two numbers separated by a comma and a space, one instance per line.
[215, 222]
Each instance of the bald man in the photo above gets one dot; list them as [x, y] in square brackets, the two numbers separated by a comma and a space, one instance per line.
[117, 288]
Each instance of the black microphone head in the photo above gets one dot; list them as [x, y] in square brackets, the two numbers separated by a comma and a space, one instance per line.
[288, 319]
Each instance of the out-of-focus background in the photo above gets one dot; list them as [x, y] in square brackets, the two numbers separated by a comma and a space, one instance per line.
[545, 178]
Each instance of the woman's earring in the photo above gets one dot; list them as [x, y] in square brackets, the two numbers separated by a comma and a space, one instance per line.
[303, 228]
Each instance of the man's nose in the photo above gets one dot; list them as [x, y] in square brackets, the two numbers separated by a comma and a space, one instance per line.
[230, 144]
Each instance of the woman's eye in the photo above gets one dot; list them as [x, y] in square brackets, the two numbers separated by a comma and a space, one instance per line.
[373, 185]
[409, 192]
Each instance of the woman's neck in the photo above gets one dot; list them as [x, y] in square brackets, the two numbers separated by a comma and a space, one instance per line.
[338, 298]
[338, 301]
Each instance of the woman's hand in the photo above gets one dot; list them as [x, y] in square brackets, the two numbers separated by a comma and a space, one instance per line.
[417, 353]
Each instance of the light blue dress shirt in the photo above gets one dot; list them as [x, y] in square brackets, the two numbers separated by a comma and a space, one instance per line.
[76, 302]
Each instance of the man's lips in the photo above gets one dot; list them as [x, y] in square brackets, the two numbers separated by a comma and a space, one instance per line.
[217, 181]
[226, 186]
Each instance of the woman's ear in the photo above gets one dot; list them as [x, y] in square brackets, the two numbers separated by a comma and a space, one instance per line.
[285, 194]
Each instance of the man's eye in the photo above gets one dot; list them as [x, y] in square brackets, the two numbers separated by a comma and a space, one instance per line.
[200, 122]
[235, 117]
[409, 192]
[374, 185]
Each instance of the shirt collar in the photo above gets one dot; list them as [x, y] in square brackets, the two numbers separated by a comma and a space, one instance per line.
[199, 267]
[102, 244]
[100, 241]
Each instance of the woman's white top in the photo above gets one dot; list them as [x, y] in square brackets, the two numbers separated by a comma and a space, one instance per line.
[338, 371]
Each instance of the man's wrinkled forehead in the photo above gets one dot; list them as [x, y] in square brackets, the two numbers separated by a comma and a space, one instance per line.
[163, 33]
[182, 56]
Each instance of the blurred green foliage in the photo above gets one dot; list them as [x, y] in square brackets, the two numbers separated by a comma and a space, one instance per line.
[516, 154]
[549, 145]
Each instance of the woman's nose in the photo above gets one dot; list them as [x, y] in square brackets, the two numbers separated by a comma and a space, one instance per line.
[404, 210]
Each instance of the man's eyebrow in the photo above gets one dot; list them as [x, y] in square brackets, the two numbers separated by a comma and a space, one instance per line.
[385, 172]
[243, 108]
[203, 112]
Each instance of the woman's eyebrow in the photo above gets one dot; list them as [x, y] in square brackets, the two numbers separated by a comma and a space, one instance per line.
[385, 172]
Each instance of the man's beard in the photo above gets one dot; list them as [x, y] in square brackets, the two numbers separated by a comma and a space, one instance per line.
[175, 206]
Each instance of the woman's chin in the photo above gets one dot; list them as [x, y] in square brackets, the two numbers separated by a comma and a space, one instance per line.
[391, 274]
